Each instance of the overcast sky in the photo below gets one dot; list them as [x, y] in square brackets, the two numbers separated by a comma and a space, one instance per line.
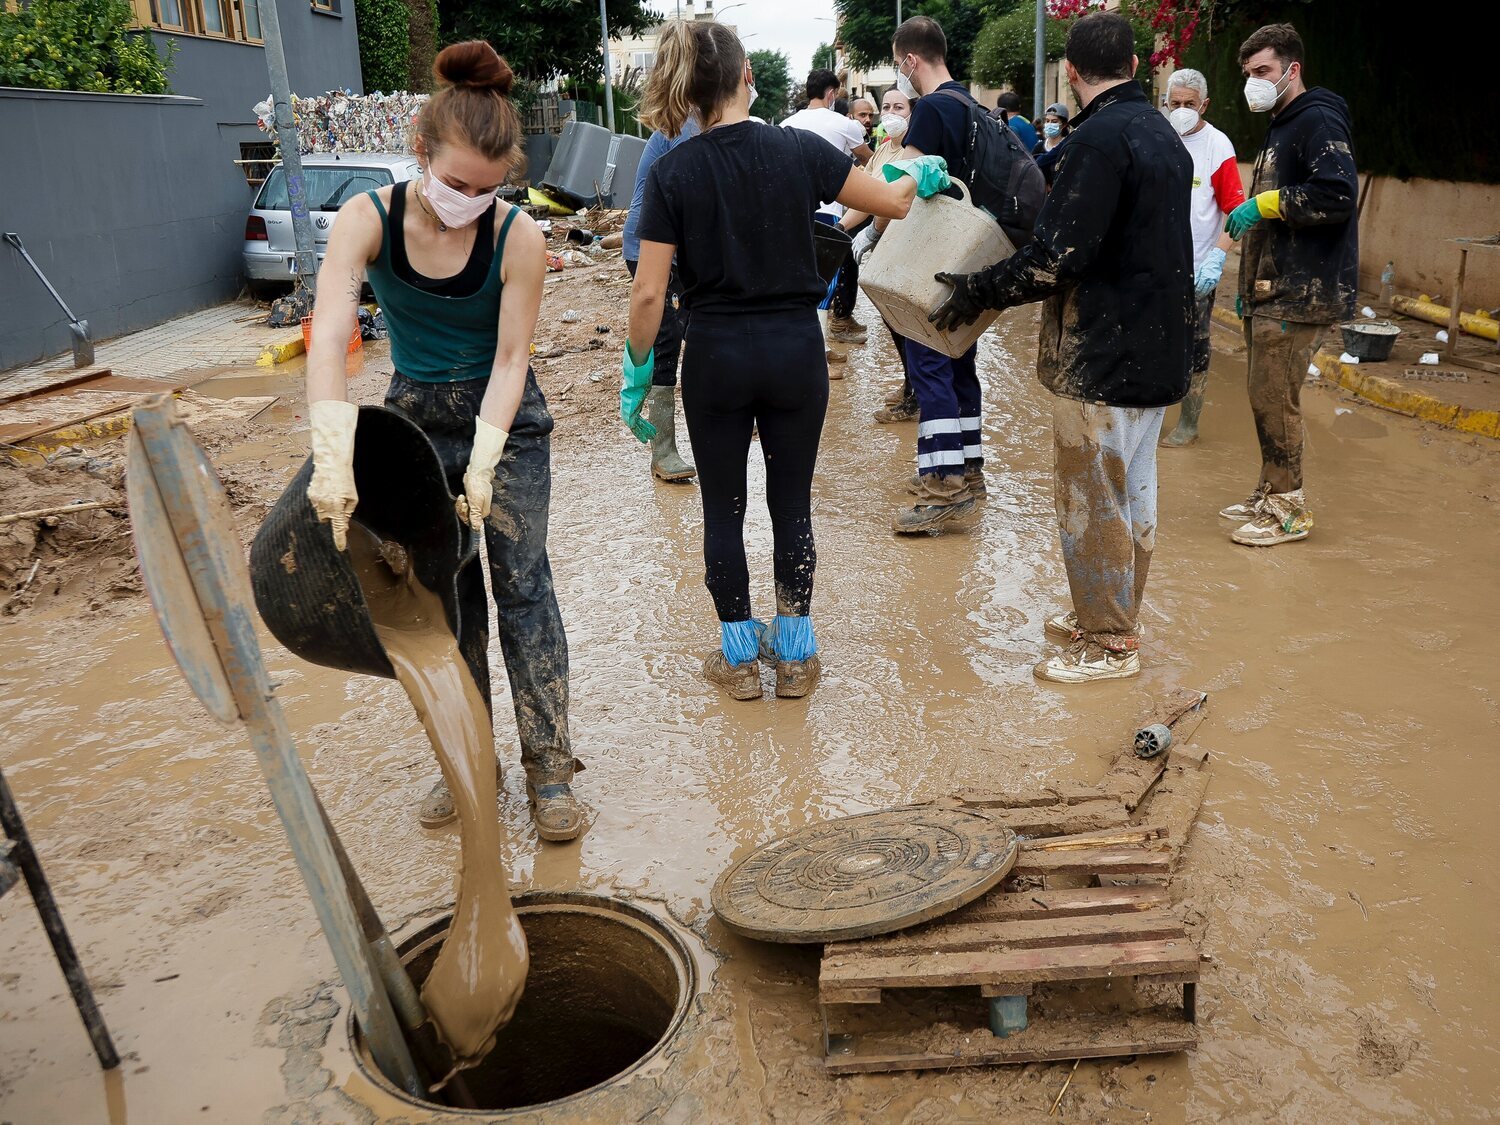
[793, 26]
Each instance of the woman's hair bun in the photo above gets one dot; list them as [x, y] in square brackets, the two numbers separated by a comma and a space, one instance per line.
[474, 65]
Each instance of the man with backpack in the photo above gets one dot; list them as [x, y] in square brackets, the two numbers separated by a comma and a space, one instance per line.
[1113, 259]
[1004, 180]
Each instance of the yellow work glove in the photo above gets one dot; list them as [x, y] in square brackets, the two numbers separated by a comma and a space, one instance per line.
[1269, 203]
[331, 488]
[479, 477]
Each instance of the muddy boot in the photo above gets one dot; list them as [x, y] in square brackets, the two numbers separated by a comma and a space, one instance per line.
[557, 814]
[436, 809]
[1281, 518]
[790, 647]
[846, 330]
[973, 477]
[942, 502]
[735, 666]
[1086, 661]
[661, 411]
[1246, 509]
[899, 395]
[1186, 431]
[836, 361]
[905, 410]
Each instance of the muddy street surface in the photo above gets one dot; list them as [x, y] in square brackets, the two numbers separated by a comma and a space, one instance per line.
[1340, 878]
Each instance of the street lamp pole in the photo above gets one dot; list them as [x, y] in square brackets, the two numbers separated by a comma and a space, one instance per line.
[291, 153]
[1039, 81]
[609, 92]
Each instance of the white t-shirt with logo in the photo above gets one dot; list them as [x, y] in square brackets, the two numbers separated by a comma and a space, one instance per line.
[1217, 189]
[843, 133]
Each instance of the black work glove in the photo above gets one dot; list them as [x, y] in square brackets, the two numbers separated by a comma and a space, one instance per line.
[960, 308]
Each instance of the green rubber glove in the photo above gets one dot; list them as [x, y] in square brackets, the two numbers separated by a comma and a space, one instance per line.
[930, 172]
[633, 388]
[1245, 216]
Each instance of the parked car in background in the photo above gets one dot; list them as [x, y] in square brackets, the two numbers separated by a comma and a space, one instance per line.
[331, 181]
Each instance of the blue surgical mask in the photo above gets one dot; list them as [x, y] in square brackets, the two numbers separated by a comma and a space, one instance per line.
[1051, 129]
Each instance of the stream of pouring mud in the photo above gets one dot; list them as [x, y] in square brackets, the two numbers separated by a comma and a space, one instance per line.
[1341, 876]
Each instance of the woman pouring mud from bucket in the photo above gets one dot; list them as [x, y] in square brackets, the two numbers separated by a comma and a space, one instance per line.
[459, 277]
[735, 206]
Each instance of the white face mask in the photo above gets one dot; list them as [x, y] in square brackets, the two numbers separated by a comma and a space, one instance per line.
[454, 208]
[753, 94]
[1261, 95]
[904, 84]
[1184, 120]
[894, 125]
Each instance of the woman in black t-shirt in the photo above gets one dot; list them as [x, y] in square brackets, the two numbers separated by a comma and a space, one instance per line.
[735, 206]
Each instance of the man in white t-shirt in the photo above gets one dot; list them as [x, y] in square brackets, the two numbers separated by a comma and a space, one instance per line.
[1217, 190]
[848, 136]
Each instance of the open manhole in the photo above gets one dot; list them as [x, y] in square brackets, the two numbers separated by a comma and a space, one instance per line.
[609, 985]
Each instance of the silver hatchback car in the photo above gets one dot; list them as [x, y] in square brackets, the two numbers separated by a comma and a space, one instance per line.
[331, 181]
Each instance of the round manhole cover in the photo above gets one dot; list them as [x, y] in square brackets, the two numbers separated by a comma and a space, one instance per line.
[866, 874]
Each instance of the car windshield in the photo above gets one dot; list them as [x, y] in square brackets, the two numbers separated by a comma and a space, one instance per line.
[329, 187]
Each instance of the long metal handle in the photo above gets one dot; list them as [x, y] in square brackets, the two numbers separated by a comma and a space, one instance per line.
[15, 240]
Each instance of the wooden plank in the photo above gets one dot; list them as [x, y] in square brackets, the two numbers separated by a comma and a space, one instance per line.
[1094, 1037]
[1056, 819]
[89, 376]
[999, 906]
[1106, 837]
[1149, 925]
[1062, 793]
[1094, 861]
[849, 995]
[1021, 966]
[1176, 804]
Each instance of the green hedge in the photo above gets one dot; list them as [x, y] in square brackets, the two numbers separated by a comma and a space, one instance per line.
[79, 45]
[1421, 93]
[384, 44]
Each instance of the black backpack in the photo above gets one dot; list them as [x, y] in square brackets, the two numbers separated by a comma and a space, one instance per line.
[1002, 177]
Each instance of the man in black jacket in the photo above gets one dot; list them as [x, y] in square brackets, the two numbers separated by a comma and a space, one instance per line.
[1113, 259]
[1298, 268]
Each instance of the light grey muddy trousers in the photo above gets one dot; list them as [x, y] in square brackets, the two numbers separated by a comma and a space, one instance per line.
[1104, 481]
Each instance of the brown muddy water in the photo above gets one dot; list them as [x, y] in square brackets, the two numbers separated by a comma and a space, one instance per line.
[1341, 877]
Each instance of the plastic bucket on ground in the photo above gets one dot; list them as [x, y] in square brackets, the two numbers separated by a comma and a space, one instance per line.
[356, 341]
[940, 234]
[1370, 340]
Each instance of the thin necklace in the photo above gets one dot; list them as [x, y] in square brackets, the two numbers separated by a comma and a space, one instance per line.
[422, 202]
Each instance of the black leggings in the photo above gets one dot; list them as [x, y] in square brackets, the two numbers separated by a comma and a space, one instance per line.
[766, 371]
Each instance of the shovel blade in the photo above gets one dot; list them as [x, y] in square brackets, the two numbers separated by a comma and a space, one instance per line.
[83, 347]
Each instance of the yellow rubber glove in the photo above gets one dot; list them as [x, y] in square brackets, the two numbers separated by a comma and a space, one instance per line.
[331, 488]
[479, 477]
[1269, 203]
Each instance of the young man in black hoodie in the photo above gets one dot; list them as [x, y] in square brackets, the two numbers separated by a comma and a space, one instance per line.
[1298, 267]
[1113, 258]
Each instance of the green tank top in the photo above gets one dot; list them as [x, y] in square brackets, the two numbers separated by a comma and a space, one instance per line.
[438, 339]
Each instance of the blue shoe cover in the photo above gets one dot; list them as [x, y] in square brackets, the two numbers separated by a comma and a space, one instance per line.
[740, 640]
[792, 638]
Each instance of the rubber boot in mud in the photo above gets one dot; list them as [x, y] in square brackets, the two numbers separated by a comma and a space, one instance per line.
[1186, 430]
[661, 411]
[555, 811]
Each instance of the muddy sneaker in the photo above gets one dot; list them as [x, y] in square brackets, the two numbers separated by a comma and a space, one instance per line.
[1084, 662]
[900, 394]
[974, 478]
[741, 681]
[1282, 518]
[934, 518]
[796, 678]
[1063, 626]
[1246, 509]
[436, 809]
[836, 361]
[555, 811]
[846, 330]
[903, 411]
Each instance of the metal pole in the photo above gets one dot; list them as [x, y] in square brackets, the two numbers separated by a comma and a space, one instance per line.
[1038, 98]
[291, 154]
[898, 13]
[609, 93]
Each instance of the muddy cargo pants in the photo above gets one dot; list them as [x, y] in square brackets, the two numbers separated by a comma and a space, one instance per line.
[530, 625]
[1104, 481]
[1279, 352]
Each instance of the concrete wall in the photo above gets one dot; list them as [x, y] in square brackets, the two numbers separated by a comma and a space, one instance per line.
[1408, 222]
[132, 205]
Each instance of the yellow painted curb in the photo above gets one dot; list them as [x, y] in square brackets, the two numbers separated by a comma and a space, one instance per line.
[289, 348]
[101, 429]
[1391, 394]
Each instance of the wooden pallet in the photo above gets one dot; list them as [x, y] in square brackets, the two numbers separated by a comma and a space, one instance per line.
[1016, 941]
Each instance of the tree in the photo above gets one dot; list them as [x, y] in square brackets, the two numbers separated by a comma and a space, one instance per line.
[384, 44]
[773, 84]
[543, 38]
[824, 57]
[1004, 53]
[866, 28]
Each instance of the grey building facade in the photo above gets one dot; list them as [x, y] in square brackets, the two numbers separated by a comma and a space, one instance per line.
[133, 205]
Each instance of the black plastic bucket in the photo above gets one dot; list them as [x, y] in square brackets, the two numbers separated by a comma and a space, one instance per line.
[831, 243]
[1370, 340]
[306, 588]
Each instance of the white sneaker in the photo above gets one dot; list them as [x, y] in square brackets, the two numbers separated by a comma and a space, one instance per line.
[1246, 509]
[1063, 626]
[1084, 663]
[1281, 518]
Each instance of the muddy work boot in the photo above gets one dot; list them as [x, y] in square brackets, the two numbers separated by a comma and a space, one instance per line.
[661, 411]
[436, 809]
[902, 410]
[1086, 661]
[1247, 508]
[973, 477]
[788, 646]
[556, 813]
[943, 502]
[1282, 517]
[846, 330]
